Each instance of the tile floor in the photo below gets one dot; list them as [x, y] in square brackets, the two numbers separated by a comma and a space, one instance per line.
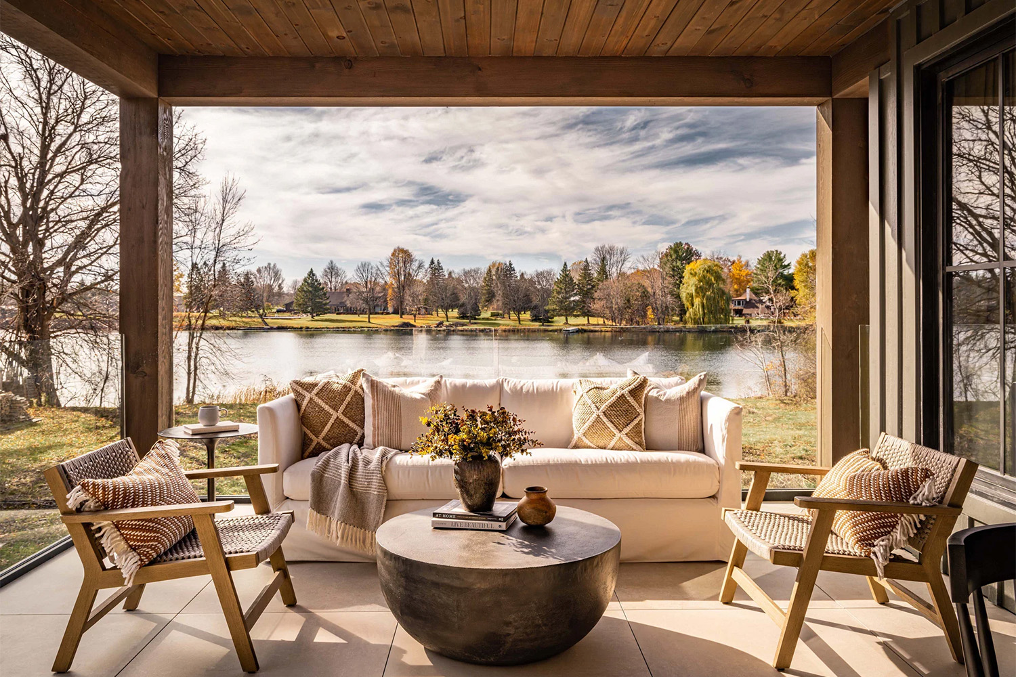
[664, 620]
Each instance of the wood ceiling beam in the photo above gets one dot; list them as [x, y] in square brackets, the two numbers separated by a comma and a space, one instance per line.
[86, 40]
[851, 65]
[336, 81]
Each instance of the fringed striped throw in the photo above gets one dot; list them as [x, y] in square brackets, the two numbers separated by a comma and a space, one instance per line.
[348, 496]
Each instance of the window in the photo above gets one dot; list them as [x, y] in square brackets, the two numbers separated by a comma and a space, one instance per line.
[979, 262]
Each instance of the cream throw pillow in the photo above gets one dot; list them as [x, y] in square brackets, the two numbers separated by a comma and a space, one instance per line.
[610, 417]
[392, 413]
[674, 416]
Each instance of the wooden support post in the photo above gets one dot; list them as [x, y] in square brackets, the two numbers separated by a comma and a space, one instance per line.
[842, 271]
[146, 266]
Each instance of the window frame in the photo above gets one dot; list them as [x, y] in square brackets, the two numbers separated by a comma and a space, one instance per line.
[1000, 485]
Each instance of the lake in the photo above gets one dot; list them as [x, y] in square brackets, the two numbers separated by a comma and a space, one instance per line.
[280, 356]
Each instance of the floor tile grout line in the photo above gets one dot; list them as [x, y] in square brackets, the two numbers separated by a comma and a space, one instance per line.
[164, 627]
[390, 646]
[632, 632]
[881, 641]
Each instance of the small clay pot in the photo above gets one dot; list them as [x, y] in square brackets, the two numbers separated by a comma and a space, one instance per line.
[536, 508]
[476, 483]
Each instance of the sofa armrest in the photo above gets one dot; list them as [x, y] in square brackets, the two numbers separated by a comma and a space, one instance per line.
[280, 439]
[721, 430]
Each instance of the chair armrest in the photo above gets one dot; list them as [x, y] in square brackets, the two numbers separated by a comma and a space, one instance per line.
[280, 439]
[145, 512]
[835, 504]
[783, 468]
[233, 471]
[721, 437]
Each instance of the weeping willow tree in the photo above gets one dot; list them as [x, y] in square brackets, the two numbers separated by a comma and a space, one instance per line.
[704, 293]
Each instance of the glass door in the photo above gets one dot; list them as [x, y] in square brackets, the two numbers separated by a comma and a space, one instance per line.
[979, 269]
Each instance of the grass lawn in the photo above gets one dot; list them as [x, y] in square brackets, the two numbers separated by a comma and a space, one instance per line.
[352, 321]
[775, 430]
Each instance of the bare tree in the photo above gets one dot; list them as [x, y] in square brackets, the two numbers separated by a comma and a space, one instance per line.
[471, 280]
[614, 259]
[370, 286]
[268, 282]
[210, 240]
[333, 276]
[404, 270]
[59, 213]
[657, 282]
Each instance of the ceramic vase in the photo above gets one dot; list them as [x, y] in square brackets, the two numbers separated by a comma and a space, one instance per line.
[477, 482]
[536, 508]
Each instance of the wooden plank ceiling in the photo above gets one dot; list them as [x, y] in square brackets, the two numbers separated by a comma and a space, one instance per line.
[498, 27]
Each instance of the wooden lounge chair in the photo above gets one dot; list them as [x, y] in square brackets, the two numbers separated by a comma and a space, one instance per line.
[215, 547]
[811, 546]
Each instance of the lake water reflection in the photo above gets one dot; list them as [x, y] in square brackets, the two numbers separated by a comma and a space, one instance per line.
[284, 355]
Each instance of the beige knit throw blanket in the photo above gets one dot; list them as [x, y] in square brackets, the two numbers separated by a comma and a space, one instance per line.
[348, 496]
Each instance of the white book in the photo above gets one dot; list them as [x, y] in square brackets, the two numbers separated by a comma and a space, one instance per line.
[222, 426]
[451, 524]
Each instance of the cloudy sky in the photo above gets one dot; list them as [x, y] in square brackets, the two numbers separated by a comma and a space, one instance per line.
[535, 185]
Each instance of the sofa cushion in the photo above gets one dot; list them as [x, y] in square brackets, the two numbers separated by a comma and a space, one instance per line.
[674, 416]
[613, 474]
[392, 413]
[407, 476]
[544, 404]
[473, 393]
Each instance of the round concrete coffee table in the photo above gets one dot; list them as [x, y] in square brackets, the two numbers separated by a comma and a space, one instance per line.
[508, 597]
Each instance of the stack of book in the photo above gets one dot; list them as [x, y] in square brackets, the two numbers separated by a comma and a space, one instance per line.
[452, 516]
[221, 427]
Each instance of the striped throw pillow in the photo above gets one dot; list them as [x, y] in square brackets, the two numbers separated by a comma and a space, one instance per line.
[331, 411]
[157, 480]
[610, 417]
[674, 415]
[392, 413]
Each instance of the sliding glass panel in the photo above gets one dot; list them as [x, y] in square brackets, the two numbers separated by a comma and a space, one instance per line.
[976, 337]
[974, 127]
[1010, 371]
[1009, 155]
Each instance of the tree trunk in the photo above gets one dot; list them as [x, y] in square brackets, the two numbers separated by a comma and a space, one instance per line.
[34, 325]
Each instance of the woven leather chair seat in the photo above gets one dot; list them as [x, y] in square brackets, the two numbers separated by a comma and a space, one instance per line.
[764, 532]
[244, 534]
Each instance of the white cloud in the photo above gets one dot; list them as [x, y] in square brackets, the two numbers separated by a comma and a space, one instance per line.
[536, 185]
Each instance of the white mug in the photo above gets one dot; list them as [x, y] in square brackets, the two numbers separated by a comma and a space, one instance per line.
[208, 415]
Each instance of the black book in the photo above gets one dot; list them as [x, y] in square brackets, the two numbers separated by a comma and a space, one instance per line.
[502, 512]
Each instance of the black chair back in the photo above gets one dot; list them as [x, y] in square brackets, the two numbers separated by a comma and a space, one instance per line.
[979, 556]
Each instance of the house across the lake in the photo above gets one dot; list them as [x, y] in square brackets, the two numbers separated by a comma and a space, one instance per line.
[339, 301]
[748, 305]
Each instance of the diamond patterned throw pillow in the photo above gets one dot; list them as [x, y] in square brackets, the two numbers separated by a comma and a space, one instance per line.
[157, 480]
[610, 417]
[331, 412]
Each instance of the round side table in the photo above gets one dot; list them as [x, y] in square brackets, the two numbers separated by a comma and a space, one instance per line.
[210, 440]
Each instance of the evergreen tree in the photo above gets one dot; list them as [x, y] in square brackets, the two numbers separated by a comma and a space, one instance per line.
[489, 287]
[311, 296]
[601, 272]
[436, 283]
[772, 271]
[673, 263]
[586, 290]
[249, 299]
[704, 293]
[565, 295]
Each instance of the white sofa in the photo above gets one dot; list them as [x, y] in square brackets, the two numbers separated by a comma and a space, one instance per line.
[667, 503]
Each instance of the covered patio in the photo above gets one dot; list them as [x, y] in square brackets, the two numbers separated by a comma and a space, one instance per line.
[879, 292]
[664, 620]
